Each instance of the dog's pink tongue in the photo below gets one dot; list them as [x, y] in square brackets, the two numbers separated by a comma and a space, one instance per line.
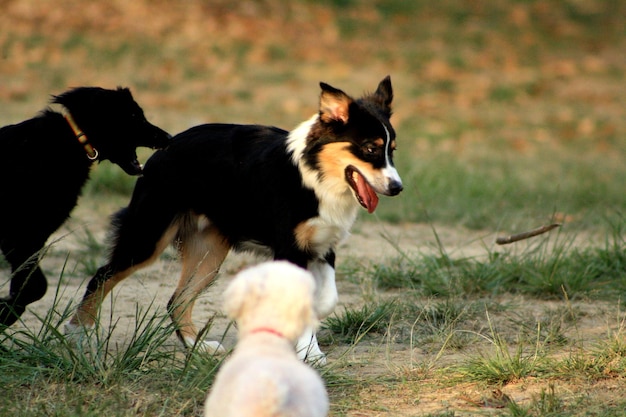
[367, 194]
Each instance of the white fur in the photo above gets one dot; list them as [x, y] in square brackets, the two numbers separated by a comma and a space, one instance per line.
[326, 298]
[308, 350]
[264, 377]
[296, 143]
[390, 173]
[338, 208]
[206, 346]
[80, 336]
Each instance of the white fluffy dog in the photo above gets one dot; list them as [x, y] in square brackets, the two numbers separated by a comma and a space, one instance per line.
[272, 304]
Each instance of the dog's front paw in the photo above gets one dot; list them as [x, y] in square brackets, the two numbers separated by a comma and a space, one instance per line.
[312, 357]
[206, 346]
[308, 350]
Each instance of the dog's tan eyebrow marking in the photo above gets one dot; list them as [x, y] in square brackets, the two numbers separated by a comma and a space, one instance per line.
[379, 142]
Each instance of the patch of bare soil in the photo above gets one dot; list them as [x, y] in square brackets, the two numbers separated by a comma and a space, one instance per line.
[370, 242]
[405, 385]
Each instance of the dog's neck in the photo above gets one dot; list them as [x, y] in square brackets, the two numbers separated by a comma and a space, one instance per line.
[338, 207]
[92, 153]
[267, 330]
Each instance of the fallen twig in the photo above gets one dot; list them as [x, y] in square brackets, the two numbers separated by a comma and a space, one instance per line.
[531, 233]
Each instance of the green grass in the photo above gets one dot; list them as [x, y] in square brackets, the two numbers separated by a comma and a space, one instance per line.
[502, 364]
[108, 178]
[99, 374]
[501, 343]
[547, 403]
[353, 324]
[549, 329]
[503, 192]
[498, 345]
[90, 256]
[551, 269]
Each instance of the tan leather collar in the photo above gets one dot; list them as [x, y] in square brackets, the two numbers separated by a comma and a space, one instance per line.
[92, 153]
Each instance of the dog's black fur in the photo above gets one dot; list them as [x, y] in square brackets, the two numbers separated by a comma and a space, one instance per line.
[43, 167]
[223, 186]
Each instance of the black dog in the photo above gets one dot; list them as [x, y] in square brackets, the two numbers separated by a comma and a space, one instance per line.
[44, 163]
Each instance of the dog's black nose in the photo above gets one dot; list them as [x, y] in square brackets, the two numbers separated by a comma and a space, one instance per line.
[395, 187]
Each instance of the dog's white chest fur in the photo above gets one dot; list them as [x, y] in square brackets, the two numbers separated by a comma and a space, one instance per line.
[337, 206]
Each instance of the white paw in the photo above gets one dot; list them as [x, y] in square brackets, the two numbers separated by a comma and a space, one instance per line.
[312, 358]
[78, 335]
[308, 350]
[206, 346]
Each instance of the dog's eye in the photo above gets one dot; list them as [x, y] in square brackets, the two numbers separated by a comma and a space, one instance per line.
[372, 150]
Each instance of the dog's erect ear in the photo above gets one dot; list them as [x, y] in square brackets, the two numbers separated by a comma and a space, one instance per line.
[384, 94]
[334, 104]
[126, 92]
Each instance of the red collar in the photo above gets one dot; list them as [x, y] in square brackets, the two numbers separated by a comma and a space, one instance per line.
[267, 330]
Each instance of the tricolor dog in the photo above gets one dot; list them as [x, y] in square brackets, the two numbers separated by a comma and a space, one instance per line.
[222, 187]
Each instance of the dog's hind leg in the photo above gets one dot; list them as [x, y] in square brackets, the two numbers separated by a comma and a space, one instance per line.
[132, 252]
[28, 283]
[203, 249]
[325, 300]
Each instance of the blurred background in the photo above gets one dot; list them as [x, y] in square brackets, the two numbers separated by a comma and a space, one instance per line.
[509, 113]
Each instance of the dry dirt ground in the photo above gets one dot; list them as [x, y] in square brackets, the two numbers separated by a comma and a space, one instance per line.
[386, 360]
[369, 242]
